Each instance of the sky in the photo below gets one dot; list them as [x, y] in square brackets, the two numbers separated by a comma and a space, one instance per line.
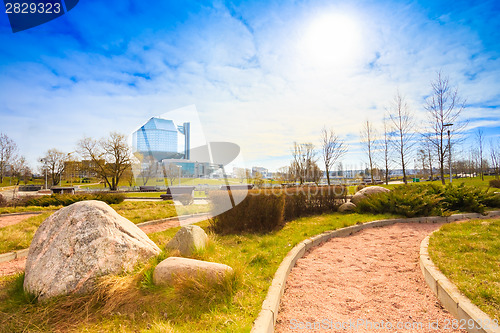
[261, 74]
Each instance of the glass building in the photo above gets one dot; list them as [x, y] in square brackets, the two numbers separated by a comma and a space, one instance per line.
[159, 138]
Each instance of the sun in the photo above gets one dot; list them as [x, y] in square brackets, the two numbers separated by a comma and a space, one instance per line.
[332, 39]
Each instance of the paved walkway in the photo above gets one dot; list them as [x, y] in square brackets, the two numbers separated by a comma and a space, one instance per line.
[368, 279]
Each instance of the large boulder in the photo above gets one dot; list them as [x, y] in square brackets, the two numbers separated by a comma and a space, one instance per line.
[347, 207]
[188, 239]
[366, 192]
[79, 243]
[175, 267]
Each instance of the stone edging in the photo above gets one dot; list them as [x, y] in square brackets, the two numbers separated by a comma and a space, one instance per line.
[153, 222]
[27, 213]
[24, 252]
[267, 317]
[450, 297]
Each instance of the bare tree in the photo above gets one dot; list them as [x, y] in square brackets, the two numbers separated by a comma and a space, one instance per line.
[242, 174]
[8, 150]
[171, 172]
[428, 149]
[109, 157]
[54, 162]
[20, 169]
[333, 148]
[495, 157]
[369, 139]
[422, 160]
[386, 150]
[480, 144]
[148, 169]
[303, 166]
[444, 108]
[283, 174]
[404, 127]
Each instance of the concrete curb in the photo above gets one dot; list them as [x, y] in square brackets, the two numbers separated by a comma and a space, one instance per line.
[153, 222]
[269, 313]
[9, 256]
[27, 213]
[451, 298]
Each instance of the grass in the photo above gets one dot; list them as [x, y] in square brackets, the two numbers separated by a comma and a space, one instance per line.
[142, 211]
[11, 210]
[19, 236]
[131, 303]
[468, 253]
[197, 194]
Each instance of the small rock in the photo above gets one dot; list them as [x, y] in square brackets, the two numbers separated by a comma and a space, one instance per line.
[347, 207]
[188, 239]
[170, 268]
[366, 192]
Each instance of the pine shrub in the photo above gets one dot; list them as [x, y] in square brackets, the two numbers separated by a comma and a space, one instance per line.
[408, 201]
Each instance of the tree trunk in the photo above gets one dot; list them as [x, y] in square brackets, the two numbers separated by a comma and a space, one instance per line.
[441, 164]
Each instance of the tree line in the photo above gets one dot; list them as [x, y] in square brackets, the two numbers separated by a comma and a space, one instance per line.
[108, 159]
[430, 143]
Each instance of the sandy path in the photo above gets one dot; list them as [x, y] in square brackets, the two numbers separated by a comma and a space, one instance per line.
[15, 266]
[14, 219]
[367, 278]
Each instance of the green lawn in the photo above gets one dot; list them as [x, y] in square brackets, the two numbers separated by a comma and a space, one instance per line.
[468, 253]
[19, 236]
[130, 303]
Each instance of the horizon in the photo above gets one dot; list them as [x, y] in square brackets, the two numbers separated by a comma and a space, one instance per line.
[261, 75]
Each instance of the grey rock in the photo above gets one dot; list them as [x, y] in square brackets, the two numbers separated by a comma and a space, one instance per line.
[347, 207]
[176, 267]
[366, 192]
[79, 243]
[188, 239]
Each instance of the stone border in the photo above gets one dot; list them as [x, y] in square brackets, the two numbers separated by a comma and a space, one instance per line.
[9, 256]
[267, 317]
[153, 222]
[450, 297]
[38, 212]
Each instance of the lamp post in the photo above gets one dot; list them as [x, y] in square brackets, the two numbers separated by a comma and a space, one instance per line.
[44, 161]
[71, 165]
[449, 151]
[180, 168]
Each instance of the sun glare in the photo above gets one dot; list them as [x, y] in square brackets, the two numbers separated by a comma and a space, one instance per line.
[332, 39]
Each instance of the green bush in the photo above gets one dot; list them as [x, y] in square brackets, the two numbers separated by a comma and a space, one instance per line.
[464, 198]
[495, 183]
[68, 199]
[430, 199]
[409, 201]
[268, 209]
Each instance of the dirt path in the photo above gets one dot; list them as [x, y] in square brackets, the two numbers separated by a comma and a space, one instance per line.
[14, 219]
[366, 281]
[15, 266]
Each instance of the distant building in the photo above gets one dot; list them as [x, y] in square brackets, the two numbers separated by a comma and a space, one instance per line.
[168, 145]
[263, 171]
[159, 138]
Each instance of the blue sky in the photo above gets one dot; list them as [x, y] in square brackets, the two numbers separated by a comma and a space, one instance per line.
[261, 74]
